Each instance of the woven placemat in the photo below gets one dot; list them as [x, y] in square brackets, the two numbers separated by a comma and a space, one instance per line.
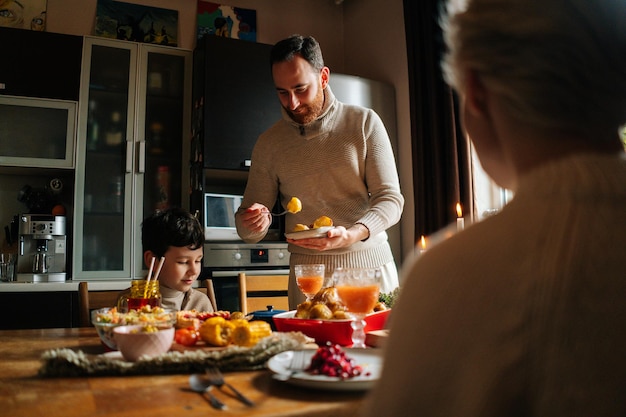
[70, 363]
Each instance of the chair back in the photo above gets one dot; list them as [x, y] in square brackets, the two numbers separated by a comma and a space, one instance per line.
[206, 286]
[93, 300]
[256, 292]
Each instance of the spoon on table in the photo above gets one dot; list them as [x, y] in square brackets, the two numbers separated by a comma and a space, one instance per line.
[199, 384]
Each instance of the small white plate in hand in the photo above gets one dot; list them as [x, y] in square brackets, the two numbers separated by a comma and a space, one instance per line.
[306, 234]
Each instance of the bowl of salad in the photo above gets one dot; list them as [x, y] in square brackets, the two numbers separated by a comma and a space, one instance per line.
[106, 319]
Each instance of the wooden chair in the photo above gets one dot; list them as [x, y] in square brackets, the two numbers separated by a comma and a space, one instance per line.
[92, 300]
[206, 286]
[256, 292]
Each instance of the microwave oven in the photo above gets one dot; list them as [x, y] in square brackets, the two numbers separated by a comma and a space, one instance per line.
[219, 216]
[219, 219]
[37, 132]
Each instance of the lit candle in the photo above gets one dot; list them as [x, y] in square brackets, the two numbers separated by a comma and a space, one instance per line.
[422, 244]
[460, 222]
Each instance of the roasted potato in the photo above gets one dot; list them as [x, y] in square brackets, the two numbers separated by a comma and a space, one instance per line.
[302, 310]
[320, 311]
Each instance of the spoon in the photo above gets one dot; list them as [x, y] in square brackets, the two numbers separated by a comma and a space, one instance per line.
[199, 384]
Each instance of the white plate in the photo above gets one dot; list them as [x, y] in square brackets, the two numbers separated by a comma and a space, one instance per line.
[305, 234]
[114, 355]
[369, 359]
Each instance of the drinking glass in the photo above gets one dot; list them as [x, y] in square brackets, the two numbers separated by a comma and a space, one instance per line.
[142, 293]
[310, 279]
[7, 266]
[358, 289]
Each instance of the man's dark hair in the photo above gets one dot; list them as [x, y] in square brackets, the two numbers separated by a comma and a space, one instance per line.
[171, 227]
[306, 47]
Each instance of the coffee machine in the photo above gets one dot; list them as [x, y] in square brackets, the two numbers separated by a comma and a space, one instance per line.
[42, 248]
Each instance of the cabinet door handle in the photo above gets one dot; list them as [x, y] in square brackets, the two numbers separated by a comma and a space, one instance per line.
[142, 157]
[129, 157]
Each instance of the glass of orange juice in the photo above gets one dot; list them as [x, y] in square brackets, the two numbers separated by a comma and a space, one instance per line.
[310, 279]
[358, 289]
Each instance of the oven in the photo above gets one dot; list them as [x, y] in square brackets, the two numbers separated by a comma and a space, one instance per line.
[224, 260]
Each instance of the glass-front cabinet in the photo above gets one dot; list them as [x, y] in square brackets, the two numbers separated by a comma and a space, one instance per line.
[133, 122]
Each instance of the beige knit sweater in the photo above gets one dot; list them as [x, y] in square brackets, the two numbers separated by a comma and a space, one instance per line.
[340, 165]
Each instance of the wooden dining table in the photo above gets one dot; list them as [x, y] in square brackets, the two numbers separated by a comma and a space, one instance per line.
[23, 392]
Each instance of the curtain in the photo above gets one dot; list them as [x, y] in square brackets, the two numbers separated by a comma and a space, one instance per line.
[441, 155]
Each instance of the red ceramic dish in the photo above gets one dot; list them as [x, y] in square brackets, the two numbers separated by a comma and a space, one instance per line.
[334, 331]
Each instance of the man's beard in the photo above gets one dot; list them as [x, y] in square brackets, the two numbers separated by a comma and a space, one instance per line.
[312, 110]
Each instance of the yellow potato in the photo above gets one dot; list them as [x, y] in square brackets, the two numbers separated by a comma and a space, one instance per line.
[299, 227]
[322, 222]
[320, 311]
[294, 205]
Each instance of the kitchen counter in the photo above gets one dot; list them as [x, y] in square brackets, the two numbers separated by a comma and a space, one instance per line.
[48, 304]
[63, 286]
[72, 286]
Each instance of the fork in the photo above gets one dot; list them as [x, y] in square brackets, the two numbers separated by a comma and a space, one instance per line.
[216, 378]
[277, 214]
[297, 364]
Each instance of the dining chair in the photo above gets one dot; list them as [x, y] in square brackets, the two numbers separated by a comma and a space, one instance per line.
[206, 286]
[257, 292]
[93, 300]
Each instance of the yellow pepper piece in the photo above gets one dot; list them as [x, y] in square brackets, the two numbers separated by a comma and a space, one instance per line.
[248, 333]
[216, 331]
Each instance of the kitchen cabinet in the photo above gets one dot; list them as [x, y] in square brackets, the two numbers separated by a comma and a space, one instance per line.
[39, 310]
[40, 64]
[134, 117]
[234, 98]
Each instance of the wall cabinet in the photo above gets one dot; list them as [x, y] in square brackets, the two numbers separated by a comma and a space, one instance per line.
[40, 64]
[235, 100]
[134, 117]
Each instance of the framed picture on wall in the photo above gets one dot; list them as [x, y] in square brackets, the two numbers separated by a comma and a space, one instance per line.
[23, 14]
[134, 22]
[226, 21]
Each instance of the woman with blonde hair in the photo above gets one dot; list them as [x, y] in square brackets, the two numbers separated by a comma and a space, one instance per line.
[523, 314]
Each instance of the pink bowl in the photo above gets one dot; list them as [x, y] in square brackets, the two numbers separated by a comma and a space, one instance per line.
[334, 331]
[134, 343]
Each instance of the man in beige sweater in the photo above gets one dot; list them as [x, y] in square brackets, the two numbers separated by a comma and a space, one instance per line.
[336, 158]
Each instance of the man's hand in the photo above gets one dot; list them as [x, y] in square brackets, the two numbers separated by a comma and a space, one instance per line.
[337, 237]
[257, 218]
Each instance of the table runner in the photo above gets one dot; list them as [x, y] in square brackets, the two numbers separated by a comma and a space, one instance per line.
[69, 363]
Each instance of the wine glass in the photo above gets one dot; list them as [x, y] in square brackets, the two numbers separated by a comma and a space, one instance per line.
[358, 289]
[310, 279]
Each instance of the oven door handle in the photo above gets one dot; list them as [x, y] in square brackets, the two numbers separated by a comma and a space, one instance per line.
[235, 272]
